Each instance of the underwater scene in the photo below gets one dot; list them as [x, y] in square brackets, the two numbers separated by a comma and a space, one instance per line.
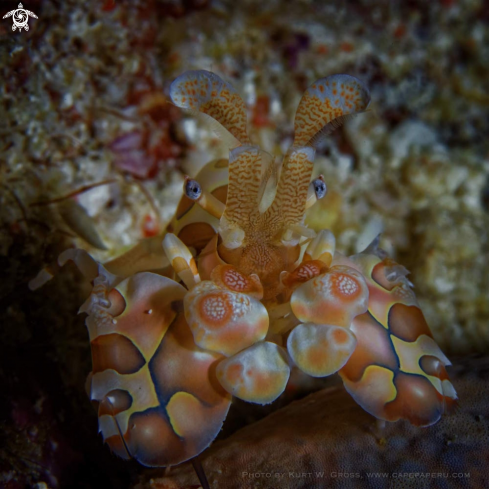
[244, 244]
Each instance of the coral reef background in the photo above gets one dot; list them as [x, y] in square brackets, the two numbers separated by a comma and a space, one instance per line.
[83, 101]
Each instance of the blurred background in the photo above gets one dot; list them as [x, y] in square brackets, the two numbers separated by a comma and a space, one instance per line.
[92, 155]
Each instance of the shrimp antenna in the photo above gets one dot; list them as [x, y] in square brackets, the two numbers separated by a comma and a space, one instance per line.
[199, 470]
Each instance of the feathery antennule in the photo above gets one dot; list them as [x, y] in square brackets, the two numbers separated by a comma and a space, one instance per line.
[325, 106]
[207, 93]
[330, 128]
[219, 132]
[245, 169]
[245, 179]
[295, 177]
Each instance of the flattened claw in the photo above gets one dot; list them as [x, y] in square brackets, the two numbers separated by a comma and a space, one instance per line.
[320, 349]
[191, 404]
[257, 374]
[146, 307]
[390, 293]
[392, 396]
[374, 390]
[159, 399]
[335, 297]
[224, 321]
[397, 371]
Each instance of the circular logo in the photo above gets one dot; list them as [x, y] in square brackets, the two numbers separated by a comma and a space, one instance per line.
[20, 17]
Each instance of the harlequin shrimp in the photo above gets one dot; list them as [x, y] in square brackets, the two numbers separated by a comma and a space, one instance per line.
[239, 290]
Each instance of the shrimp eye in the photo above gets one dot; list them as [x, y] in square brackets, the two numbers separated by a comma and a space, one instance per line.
[320, 188]
[193, 189]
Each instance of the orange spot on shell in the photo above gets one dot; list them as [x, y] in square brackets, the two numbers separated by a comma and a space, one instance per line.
[340, 336]
[261, 381]
[345, 286]
[234, 373]
[235, 280]
[316, 356]
[215, 309]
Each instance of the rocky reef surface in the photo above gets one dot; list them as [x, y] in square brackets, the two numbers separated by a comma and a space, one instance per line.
[92, 155]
